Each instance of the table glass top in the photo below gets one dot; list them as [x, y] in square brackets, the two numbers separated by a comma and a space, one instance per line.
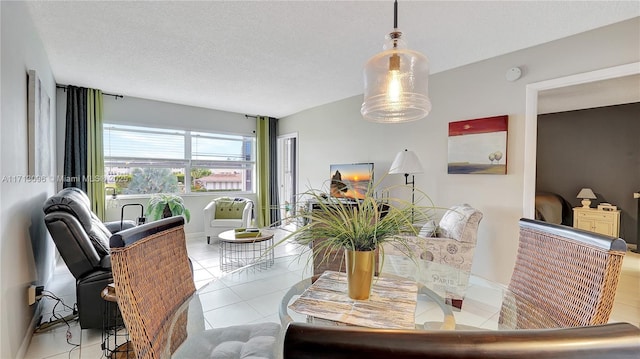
[252, 295]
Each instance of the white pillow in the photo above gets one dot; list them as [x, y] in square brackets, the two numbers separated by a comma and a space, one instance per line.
[429, 229]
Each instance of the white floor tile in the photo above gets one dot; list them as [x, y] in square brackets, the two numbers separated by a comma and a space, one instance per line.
[234, 314]
[53, 341]
[218, 298]
[93, 351]
[202, 275]
[265, 304]
[253, 297]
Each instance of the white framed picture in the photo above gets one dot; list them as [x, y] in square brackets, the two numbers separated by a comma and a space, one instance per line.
[39, 124]
[478, 146]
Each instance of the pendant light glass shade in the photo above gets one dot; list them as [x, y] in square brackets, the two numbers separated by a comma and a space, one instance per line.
[396, 84]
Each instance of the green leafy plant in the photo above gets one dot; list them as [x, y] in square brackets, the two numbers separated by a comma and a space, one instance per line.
[152, 180]
[360, 225]
[164, 205]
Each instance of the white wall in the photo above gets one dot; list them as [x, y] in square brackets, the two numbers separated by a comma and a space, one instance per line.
[338, 131]
[26, 252]
[142, 112]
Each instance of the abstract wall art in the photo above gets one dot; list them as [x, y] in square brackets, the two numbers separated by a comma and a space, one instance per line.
[478, 146]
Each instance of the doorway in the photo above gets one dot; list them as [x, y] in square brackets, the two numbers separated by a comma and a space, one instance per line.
[533, 92]
[287, 175]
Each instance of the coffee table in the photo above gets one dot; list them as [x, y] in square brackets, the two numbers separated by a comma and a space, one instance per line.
[240, 252]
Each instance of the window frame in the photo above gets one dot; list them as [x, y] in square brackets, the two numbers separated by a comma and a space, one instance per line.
[187, 162]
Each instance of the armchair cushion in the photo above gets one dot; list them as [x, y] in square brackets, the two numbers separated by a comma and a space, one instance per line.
[256, 341]
[229, 208]
[452, 241]
[460, 223]
[430, 229]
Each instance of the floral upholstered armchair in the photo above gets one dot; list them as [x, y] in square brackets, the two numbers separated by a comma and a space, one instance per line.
[438, 248]
[453, 240]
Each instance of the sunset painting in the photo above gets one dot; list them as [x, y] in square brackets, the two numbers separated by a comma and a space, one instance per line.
[351, 180]
[478, 146]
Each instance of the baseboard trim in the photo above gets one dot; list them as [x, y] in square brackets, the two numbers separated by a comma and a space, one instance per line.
[193, 235]
[35, 320]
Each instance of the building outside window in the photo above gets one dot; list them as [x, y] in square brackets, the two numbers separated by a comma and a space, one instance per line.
[145, 160]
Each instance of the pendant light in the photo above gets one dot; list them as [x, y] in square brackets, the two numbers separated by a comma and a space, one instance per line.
[396, 82]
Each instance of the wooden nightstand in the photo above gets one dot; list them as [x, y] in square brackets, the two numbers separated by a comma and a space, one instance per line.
[599, 221]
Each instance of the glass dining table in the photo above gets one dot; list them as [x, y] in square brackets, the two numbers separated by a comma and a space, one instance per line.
[445, 299]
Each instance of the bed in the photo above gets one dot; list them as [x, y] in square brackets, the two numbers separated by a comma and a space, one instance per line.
[553, 208]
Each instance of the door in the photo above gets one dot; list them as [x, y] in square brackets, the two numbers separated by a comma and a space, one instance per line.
[287, 175]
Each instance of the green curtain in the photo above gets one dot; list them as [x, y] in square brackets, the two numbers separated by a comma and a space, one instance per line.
[263, 213]
[95, 153]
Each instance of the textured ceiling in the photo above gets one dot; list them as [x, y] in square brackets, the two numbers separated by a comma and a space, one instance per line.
[277, 58]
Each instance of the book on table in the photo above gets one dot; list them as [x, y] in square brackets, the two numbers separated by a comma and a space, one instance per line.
[247, 232]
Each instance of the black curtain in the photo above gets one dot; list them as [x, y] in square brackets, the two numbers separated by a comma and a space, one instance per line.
[75, 144]
[273, 170]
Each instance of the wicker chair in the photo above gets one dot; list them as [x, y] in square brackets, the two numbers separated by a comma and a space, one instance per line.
[154, 280]
[569, 275]
[611, 341]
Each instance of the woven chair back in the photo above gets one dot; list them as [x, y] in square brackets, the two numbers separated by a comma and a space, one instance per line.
[153, 277]
[569, 275]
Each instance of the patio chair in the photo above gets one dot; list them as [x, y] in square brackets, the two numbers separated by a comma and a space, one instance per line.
[569, 275]
[153, 280]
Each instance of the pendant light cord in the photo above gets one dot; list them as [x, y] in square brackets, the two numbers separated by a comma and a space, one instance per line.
[395, 14]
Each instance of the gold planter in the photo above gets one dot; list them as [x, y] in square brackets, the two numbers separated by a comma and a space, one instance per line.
[360, 266]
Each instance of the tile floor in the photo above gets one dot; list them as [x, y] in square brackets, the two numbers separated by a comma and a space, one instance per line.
[256, 299]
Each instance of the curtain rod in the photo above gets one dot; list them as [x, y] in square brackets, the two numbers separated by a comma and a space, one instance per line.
[250, 116]
[104, 93]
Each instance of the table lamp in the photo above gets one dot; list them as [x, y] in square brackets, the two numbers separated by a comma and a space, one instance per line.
[587, 195]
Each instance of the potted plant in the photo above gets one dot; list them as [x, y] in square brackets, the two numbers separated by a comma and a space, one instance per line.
[163, 205]
[360, 227]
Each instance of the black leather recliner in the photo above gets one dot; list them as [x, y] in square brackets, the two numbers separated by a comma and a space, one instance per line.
[83, 242]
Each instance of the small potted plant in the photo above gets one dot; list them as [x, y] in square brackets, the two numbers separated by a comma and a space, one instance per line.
[358, 227]
[163, 205]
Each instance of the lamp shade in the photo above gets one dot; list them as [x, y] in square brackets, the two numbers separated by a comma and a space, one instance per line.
[586, 193]
[406, 162]
[396, 84]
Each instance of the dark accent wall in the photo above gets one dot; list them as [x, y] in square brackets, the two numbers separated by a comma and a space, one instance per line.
[597, 148]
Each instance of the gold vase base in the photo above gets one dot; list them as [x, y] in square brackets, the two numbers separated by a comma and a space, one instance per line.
[360, 268]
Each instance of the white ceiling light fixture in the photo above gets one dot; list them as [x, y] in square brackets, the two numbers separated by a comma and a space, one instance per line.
[396, 82]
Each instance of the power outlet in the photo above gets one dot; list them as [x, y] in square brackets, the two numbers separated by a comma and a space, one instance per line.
[31, 294]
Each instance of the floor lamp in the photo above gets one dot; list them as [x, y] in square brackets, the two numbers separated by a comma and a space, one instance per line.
[407, 163]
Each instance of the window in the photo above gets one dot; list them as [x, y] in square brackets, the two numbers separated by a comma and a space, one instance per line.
[144, 160]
